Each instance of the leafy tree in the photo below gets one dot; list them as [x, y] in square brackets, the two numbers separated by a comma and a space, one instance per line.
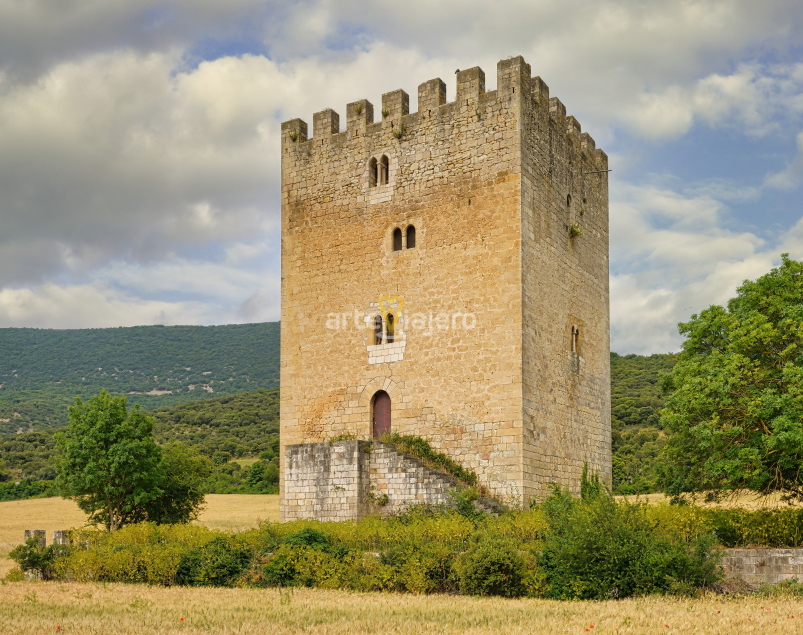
[736, 405]
[183, 478]
[109, 463]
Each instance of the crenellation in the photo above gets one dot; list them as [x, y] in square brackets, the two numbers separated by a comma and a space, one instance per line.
[470, 85]
[359, 114]
[557, 109]
[431, 95]
[325, 123]
[572, 125]
[539, 90]
[587, 144]
[395, 105]
[294, 128]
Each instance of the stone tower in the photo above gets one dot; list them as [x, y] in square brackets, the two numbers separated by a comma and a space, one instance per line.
[445, 274]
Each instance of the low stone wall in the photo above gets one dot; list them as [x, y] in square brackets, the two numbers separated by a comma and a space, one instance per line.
[762, 566]
[344, 480]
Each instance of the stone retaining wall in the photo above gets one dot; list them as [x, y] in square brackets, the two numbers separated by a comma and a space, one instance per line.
[762, 566]
[344, 480]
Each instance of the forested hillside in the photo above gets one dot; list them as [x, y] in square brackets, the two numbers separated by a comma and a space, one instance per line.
[42, 370]
[225, 429]
[636, 402]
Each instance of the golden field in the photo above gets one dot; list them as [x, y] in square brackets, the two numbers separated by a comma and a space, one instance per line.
[42, 607]
[227, 512]
[55, 607]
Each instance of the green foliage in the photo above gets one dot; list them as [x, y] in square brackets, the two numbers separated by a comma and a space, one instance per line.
[602, 549]
[144, 552]
[492, 566]
[109, 463]
[563, 548]
[219, 562]
[42, 370]
[233, 426]
[590, 486]
[37, 559]
[111, 466]
[736, 404]
[21, 490]
[636, 402]
[765, 528]
[183, 475]
[421, 449]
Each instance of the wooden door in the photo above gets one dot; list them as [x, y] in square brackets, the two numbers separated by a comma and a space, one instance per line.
[381, 414]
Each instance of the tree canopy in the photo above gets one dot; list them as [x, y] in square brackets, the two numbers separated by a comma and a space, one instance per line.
[735, 410]
[110, 464]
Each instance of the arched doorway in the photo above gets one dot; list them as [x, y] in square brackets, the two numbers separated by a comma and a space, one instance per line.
[381, 414]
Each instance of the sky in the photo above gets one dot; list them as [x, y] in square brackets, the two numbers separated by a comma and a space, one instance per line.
[139, 141]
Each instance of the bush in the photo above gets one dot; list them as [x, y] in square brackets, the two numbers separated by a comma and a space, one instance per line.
[217, 563]
[38, 559]
[764, 527]
[604, 548]
[492, 567]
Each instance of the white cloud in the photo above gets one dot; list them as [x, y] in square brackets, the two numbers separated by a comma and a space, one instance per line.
[91, 306]
[671, 257]
[143, 181]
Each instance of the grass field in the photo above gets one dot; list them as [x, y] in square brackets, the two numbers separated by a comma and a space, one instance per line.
[228, 512]
[43, 607]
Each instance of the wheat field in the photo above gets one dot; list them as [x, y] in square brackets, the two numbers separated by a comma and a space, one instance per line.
[55, 607]
[52, 607]
[227, 512]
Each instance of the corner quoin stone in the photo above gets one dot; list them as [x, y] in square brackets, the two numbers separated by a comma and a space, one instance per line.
[491, 184]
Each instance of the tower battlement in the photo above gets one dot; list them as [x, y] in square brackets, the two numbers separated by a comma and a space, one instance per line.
[445, 275]
[513, 77]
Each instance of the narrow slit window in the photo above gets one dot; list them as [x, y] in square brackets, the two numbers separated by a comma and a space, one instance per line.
[383, 170]
[397, 239]
[378, 329]
[410, 237]
[372, 173]
[575, 337]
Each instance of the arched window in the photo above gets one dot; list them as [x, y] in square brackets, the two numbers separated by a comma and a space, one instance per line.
[575, 338]
[568, 200]
[397, 239]
[380, 414]
[383, 170]
[410, 237]
[372, 173]
[391, 329]
[378, 329]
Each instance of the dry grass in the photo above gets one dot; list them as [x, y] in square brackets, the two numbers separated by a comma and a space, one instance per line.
[34, 608]
[229, 512]
[747, 500]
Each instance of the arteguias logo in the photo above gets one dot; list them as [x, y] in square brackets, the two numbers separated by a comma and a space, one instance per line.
[391, 306]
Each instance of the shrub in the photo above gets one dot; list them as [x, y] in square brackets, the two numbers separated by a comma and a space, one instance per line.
[38, 559]
[765, 527]
[217, 563]
[492, 567]
[604, 548]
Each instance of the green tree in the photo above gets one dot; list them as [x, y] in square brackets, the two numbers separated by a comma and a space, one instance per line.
[108, 461]
[735, 411]
[183, 479]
